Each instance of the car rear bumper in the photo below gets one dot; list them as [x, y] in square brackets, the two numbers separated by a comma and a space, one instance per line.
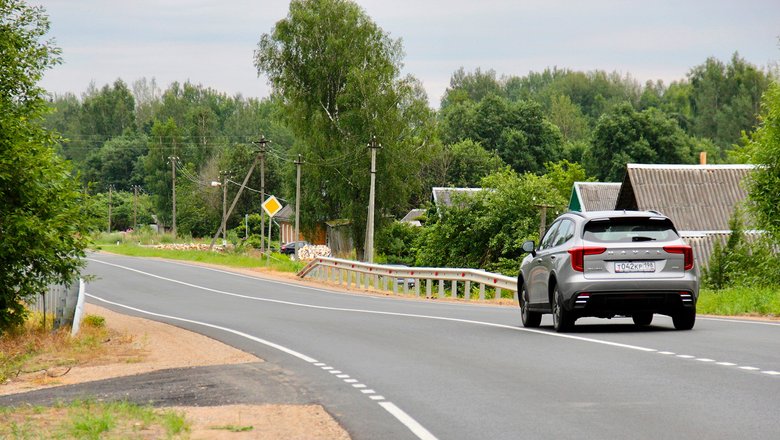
[607, 298]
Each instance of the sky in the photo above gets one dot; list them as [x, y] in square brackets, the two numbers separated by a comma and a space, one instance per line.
[211, 42]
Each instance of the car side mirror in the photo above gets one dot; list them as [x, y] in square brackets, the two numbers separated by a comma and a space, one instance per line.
[530, 246]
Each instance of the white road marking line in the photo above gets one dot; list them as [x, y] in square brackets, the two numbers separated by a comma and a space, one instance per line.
[343, 376]
[372, 391]
[327, 368]
[739, 321]
[749, 368]
[351, 381]
[705, 360]
[334, 372]
[281, 348]
[408, 315]
[666, 352]
[771, 373]
[726, 364]
[402, 417]
[319, 364]
[410, 423]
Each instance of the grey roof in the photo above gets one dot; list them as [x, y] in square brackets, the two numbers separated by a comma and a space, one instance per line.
[285, 214]
[596, 196]
[703, 243]
[443, 196]
[413, 215]
[695, 197]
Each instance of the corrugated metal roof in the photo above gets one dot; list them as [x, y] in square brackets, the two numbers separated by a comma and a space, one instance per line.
[286, 214]
[413, 215]
[703, 243]
[597, 196]
[695, 197]
[443, 196]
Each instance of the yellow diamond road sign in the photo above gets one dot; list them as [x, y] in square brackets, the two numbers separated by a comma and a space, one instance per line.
[272, 206]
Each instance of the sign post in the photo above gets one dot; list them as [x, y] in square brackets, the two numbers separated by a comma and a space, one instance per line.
[271, 206]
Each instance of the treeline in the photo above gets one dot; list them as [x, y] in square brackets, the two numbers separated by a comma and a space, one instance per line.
[125, 136]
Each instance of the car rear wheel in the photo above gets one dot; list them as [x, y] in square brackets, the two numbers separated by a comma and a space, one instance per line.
[530, 319]
[562, 319]
[642, 319]
[684, 319]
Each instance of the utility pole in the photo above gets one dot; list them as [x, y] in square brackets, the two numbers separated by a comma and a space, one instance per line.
[173, 160]
[298, 164]
[110, 191]
[261, 144]
[135, 207]
[224, 175]
[235, 199]
[369, 251]
[543, 219]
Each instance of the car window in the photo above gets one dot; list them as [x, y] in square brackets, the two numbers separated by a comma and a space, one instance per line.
[565, 232]
[629, 229]
[547, 241]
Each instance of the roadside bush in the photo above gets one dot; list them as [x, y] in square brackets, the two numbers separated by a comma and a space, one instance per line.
[397, 242]
[741, 262]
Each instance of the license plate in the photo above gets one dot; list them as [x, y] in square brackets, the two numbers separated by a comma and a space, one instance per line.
[634, 266]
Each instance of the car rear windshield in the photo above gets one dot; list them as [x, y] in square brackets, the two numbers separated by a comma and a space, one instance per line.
[629, 229]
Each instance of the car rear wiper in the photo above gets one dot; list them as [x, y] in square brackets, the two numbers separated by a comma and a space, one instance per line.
[642, 238]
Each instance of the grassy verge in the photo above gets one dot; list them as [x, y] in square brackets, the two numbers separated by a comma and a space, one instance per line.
[30, 348]
[278, 262]
[91, 420]
[740, 301]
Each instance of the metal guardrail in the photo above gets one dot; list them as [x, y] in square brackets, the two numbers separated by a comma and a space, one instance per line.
[61, 301]
[386, 277]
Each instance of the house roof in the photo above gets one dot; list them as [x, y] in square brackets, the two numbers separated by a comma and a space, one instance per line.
[703, 242]
[594, 196]
[286, 214]
[695, 197]
[413, 215]
[443, 196]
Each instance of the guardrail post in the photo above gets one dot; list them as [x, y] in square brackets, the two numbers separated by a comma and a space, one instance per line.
[481, 291]
[497, 295]
[395, 286]
[428, 283]
[417, 286]
[454, 288]
[467, 290]
[441, 289]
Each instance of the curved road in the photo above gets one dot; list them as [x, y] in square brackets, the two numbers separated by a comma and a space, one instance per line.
[403, 369]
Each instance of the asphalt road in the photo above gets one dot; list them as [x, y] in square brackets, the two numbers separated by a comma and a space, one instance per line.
[402, 369]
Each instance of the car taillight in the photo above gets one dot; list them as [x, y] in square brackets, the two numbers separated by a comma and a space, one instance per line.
[578, 255]
[687, 252]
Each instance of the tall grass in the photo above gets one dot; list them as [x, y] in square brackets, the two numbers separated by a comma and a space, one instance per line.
[740, 301]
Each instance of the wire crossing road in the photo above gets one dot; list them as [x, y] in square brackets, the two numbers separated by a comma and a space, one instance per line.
[405, 369]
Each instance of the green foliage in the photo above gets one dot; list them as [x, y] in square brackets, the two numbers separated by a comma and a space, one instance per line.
[397, 242]
[725, 98]
[485, 229]
[468, 163]
[741, 262]
[42, 237]
[763, 149]
[338, 77]
[625, 135]
[95, 321]
[739, 300]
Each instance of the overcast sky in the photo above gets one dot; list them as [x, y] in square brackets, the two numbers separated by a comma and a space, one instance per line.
[211, 42]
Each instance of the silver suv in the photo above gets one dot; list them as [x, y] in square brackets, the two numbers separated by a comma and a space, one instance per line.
[606, 264]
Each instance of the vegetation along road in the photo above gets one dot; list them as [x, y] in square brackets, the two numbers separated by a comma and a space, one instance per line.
[399, 368]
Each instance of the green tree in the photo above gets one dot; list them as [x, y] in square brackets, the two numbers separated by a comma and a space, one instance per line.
[625, 135]
[763, 149]
[116, 162]
[164, 142]
[42, 238]
[337, 75]
[469, 163]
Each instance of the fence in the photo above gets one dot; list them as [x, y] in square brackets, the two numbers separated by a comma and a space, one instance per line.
[63, 302]
[386, 277]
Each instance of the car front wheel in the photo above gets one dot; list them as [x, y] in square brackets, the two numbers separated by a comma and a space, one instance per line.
[562, 319]
[530, 319]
